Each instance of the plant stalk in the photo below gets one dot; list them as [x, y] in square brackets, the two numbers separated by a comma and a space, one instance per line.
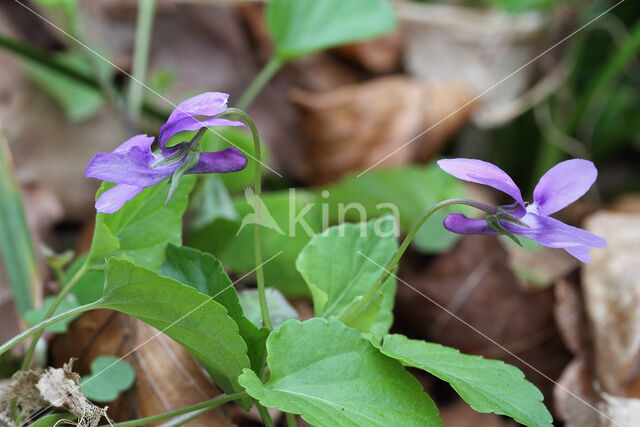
[144, 28]
[291, 420]
[264, 415]
[37, 329]
[208, 404]
[357, 308]
[257, 234]
[42, 57]
[63, 293]
[263, 77]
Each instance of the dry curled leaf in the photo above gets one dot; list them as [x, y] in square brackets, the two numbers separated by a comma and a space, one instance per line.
[22, 389]
[605, 373]
[167, 376]
[61, 387]
[380, 55]
[612, 297]
[574, 397]
[570, 317]
[620, 410]
[357, 126]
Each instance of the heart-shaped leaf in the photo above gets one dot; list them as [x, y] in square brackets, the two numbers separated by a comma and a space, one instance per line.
[205, 273]
[289, 220]
[110, 376]
[339, 266]
[486, 385]
[144, 226]
[330, 375]
[191, 318]
[303, 26]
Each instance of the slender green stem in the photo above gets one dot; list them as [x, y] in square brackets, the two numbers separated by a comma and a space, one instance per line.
[263, 77]
[144, 28]
[45, 58]
[181, 420]
[37, 329]
[257, 234]
[208, 404]
[264, 415]
[63, 293]
[357, 308]
[291, 420]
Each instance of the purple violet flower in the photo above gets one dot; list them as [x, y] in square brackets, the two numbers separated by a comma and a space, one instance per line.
[559, 187]
[133, 166]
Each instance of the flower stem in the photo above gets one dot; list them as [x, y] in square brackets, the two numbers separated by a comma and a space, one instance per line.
[356, 309]
[208, 404]
[257, 233]
[63, 293]
[264, 414]
[291, 420]
[37, 329]
[144, 27]
[258, 82]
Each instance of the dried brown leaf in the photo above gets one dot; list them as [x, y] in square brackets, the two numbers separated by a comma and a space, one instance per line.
[167, 376]
[356, 126]
[612, 297]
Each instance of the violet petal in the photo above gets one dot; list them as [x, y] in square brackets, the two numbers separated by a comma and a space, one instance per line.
[563, 184]
[205, 104]
[480, 172]
[130, 167]
[461, 224]
[580, 252]
[227, 160]
[142, 141]
[555, 234]
[190, 124]
[114, 198]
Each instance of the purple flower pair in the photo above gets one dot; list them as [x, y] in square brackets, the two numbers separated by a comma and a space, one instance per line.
[559, 187]
[133, 166]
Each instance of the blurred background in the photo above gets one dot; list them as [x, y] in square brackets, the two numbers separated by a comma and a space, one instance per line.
[520, 83]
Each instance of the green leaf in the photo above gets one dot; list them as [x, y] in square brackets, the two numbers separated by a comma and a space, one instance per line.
[51, 420]
[143, 227]
[33, 317]
[16, 248]
[194, 320]
[205, 273]
[80, 102]
[520, 6]
[486, 385]
[162, 80]
[330, 375]
[110, 376]
[303, 26]
[211, 201]
[339, 266]
[282, 237]
[279, 308]
[405, 192]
